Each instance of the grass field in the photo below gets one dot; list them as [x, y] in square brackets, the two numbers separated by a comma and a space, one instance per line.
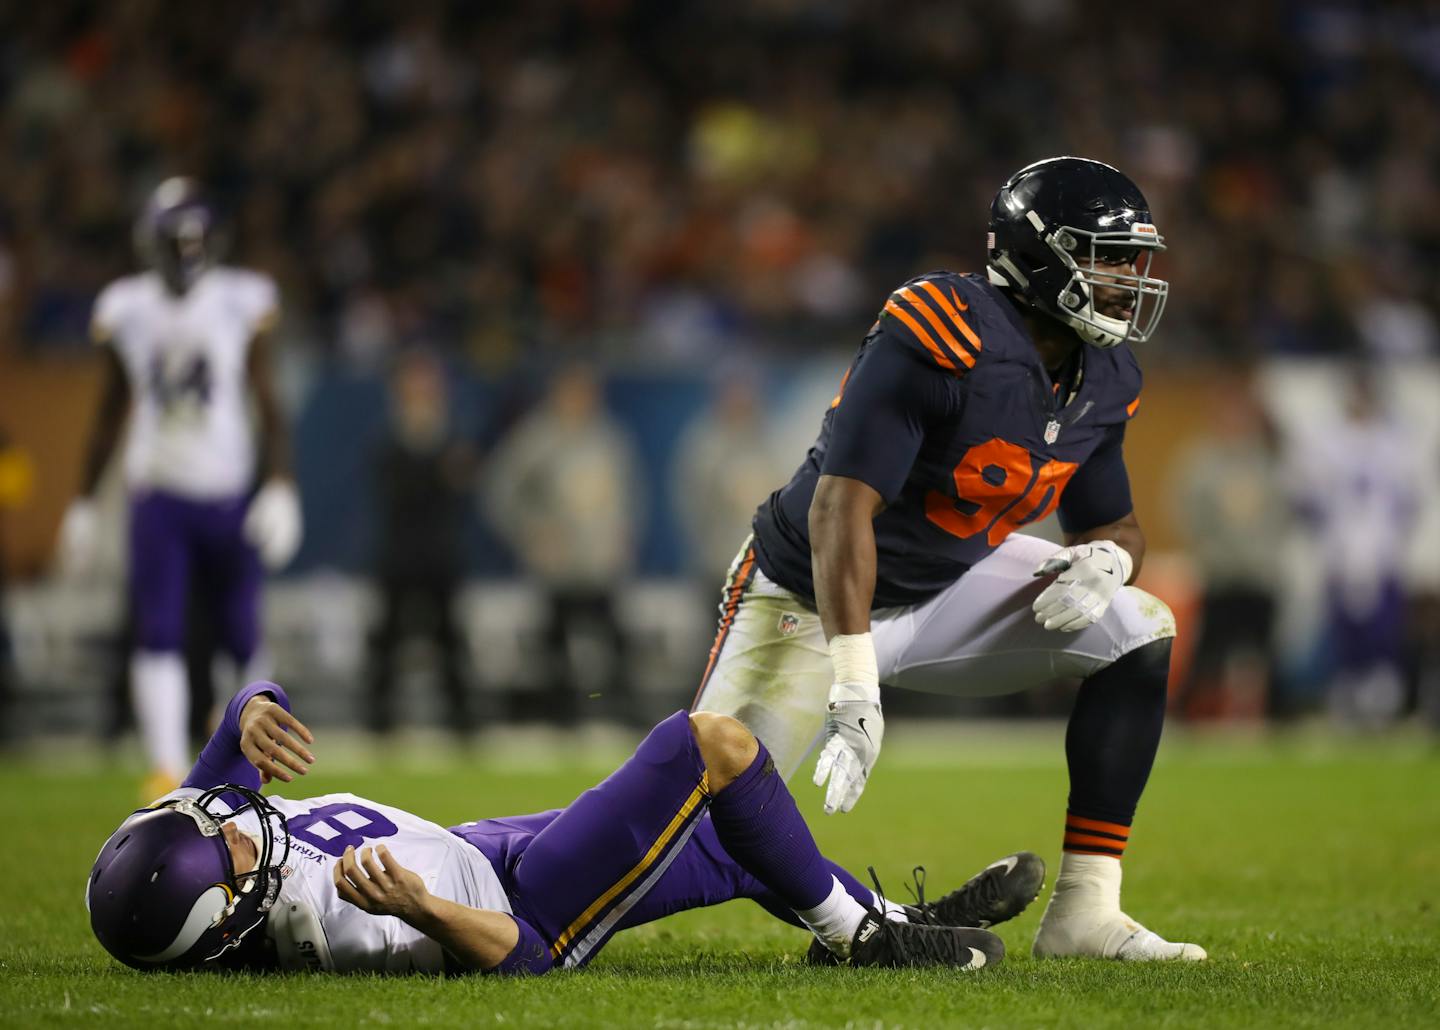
[1309, 867]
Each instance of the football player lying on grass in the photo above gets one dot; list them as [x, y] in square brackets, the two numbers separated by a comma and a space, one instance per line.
[215, 875]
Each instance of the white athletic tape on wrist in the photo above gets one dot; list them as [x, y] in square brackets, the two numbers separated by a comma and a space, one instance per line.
[852, 656]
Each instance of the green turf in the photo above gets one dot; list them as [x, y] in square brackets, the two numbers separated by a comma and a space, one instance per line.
[1308, 869]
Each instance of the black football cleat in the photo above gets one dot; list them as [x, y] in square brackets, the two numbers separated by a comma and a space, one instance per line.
[1000, 891]
[886, 943]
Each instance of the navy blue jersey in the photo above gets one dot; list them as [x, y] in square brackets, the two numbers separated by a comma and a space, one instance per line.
[949, 414]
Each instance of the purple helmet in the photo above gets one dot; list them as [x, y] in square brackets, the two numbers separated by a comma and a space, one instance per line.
[177, 232]
[164, 893]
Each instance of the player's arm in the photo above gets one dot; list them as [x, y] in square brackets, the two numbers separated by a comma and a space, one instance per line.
[1124, 531]
[257, 740]
[273, 523]
[876, 430]
[274, 434]
[79, 528]
[479, 939]
[842, 552]
[109, 420]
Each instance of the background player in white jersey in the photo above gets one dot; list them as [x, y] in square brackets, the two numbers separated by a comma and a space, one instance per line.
[214, 875]
[186, 352]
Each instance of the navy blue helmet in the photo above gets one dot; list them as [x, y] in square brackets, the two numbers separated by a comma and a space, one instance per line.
[1050, 225]
[178, 233]
[164, 894]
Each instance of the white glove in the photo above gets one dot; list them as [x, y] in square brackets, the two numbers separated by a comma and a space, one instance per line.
[79, 533]
[854, 728]
[273, 524]
[1089, 577]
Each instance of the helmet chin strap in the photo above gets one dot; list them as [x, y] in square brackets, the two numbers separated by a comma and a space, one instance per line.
[1102, 331]
[1095, 328]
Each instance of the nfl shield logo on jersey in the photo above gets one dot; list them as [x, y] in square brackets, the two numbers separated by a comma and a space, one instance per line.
[789, 623]
[1052, 431]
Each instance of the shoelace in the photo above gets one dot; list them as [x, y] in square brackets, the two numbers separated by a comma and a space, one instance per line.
[920, 943]
[974, 900]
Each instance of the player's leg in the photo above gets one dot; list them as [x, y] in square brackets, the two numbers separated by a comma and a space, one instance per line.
[385, 637]
[769, 666]
[705, 874]
[160, 537]
[980, 637]
[232, 571]
[1110, 746]
[450, 642]
[584, 874]
[757, 823]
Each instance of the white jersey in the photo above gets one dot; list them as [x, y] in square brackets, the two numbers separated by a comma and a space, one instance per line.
[314, 927]
[186, 358]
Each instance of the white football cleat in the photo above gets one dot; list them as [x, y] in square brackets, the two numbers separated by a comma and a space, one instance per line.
[1107, 935]
[1083, 918]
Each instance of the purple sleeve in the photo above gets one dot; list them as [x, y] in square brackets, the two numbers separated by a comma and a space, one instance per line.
[1099, 492]
[528, 956]
[221, 760]
[880, 418]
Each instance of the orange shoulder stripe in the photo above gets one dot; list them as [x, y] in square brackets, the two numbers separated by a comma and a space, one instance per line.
[1133, 407]
[945, 305]
[920, 334]
[954, 346]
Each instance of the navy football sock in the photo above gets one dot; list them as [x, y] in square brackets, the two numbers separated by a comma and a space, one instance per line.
[759, 826]
[1111, 742]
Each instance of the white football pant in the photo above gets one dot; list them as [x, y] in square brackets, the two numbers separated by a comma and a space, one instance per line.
[978, 637]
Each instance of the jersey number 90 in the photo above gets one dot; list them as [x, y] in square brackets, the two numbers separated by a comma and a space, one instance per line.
[998, 488]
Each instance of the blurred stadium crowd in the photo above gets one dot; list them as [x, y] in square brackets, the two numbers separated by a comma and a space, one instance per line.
[524, 216]
[649, 180]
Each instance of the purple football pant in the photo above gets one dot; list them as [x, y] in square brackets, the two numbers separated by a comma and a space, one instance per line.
[177, 545]
[634, 848]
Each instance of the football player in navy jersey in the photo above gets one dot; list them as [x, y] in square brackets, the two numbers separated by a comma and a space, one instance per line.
[975, 406]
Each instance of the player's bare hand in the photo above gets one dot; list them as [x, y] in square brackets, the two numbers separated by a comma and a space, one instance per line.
[374, 881]
[273, 740]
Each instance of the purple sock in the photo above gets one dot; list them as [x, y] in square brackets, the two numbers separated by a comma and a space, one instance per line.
[758, 824]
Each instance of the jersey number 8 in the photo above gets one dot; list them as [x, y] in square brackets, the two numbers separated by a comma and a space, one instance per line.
[333, 828]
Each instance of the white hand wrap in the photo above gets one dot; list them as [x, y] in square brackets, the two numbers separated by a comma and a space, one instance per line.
[852, 660]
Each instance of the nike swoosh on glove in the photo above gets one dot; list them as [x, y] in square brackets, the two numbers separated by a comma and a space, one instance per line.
[854, 728]
[273, 523]
[1089, 577]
